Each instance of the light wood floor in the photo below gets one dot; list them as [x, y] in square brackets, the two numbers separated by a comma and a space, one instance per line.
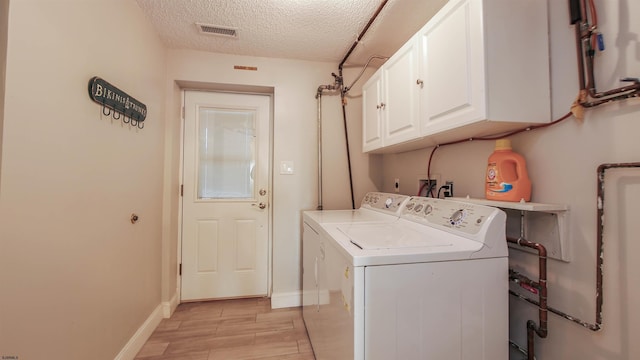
[229, 330]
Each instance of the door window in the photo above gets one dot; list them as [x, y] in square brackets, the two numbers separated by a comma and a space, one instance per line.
[226, 153]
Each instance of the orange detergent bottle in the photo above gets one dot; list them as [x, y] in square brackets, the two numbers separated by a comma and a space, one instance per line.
[507, 178]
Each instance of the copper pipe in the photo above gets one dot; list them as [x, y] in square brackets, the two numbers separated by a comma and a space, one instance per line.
[581, 78]
[541, 285]
[343, 93]
[584, 32]
[364, 31]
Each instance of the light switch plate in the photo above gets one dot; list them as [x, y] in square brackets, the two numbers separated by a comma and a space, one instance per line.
[286, 168]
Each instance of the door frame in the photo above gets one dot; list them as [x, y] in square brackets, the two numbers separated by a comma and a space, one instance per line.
[241, 90]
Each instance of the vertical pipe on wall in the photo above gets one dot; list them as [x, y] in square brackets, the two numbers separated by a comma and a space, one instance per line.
[541, 329]
[343, 92]
[319, 97]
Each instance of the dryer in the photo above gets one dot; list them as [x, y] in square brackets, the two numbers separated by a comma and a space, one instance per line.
[376, 208]
[429, 284]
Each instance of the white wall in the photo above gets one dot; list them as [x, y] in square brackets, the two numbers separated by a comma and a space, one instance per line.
[562, 162]
[4, 24]
[295, 139]
[77, 278]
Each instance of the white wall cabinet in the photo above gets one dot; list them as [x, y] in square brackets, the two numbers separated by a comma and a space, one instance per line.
[391, 101]
[484, 66]
[372, 113]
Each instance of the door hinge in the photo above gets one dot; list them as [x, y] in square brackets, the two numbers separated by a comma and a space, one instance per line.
[181, 190]
[180, 269]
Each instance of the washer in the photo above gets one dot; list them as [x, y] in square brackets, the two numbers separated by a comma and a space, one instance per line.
[430, 284]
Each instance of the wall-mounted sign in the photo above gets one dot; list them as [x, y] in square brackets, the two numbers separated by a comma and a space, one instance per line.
[117, 102]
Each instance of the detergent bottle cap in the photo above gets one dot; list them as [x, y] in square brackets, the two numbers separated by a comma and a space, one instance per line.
[503, 144]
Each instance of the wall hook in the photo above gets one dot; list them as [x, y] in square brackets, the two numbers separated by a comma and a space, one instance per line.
[140, 125]
[116, 103]
[134, 218]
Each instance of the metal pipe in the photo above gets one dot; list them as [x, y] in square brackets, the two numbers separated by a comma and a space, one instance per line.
[346, 138]
[364, 31]
[343, 92]
[586, 54]
[600, 233]
[346, 89]
[319, 98]
[331, 87]
[579, 50]
[541, 286]
[600, 250]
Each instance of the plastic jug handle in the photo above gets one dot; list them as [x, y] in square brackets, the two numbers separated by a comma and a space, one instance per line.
[521, 170]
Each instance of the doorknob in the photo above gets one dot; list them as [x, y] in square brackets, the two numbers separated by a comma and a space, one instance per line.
[263, 192]
[261, 205]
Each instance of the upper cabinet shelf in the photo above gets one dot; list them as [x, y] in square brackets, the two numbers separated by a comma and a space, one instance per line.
[477, 68]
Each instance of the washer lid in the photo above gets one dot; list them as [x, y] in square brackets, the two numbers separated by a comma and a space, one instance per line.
[389, 236]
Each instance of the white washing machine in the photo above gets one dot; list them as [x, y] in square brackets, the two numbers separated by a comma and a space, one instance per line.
[431, 284]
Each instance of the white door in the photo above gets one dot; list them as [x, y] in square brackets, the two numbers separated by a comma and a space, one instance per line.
[225, 207]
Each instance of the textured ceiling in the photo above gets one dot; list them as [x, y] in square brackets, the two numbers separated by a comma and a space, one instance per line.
[318, 30]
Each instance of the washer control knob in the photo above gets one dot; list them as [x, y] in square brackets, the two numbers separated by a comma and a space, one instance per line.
[428, 209]
[457, 217]
[418, 208]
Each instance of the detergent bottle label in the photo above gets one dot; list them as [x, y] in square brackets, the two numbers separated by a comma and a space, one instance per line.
[494, 185]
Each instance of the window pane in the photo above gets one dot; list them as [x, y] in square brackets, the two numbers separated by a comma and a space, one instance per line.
[226, 153]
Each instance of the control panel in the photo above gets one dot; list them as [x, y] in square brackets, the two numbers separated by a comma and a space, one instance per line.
[460, 216]
[384, 202]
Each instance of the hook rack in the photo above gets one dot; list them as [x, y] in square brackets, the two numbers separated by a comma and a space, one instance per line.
[116, 103]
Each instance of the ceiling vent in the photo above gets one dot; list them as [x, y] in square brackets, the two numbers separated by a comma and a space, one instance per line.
[217, 30]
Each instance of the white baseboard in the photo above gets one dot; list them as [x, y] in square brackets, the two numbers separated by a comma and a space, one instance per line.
[284, 300]
[137, 341]
[168, 307]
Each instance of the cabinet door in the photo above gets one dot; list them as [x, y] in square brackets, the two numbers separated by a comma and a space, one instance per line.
[452, 66]
[371, 113]
[400, 99]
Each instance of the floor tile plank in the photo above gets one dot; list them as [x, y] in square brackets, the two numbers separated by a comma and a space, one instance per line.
[241, 329]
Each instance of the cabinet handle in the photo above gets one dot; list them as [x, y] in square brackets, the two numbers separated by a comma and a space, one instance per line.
[420, 82]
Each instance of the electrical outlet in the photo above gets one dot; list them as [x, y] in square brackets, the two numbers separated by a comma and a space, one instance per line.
[425, 187]
[396, 185]
[448, 189]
